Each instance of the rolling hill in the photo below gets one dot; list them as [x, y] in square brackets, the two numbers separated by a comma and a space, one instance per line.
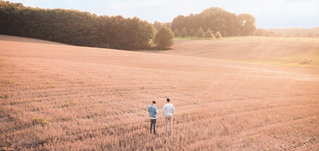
[61, 97]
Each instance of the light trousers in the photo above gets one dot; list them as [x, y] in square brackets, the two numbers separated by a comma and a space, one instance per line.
[169, 124]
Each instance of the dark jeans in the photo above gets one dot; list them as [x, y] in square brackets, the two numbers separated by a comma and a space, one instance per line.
[153, 125]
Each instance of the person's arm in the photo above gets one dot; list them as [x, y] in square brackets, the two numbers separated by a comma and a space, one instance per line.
[148, 109]
[156, 110]
[164, 108]
[173, 109]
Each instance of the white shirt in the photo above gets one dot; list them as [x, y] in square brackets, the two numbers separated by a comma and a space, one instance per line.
[168, 109]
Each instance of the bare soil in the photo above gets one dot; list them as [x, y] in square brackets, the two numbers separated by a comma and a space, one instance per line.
[61, 97]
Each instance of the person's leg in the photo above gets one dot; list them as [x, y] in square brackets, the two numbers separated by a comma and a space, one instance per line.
[171, 124]
[154, 126]
[151, 126]
[166, 124]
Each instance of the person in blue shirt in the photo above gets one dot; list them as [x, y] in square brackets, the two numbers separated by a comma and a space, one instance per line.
[152, 110]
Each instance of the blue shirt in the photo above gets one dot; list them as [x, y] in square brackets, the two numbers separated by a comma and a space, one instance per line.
[152, 110]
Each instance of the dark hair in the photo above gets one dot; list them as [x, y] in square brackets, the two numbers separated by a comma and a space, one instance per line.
[168, 99]
[154, 102]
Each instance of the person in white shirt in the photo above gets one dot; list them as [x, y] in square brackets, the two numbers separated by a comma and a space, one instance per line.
[168, 111]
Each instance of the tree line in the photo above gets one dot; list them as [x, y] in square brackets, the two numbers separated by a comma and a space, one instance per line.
[87, 29]
[76, 27]
[294, 32]
[214, 21]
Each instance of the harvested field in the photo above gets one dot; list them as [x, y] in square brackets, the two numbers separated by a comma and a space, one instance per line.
[61, 97]
[302, 52]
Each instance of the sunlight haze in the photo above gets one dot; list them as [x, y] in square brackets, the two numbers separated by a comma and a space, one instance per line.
[177, 75]
[269, 13]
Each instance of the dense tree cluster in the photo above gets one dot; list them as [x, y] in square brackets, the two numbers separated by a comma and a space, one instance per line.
[215, 19]
[87, 29]
[74, 27]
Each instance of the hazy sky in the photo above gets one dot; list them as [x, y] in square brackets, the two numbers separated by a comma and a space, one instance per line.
[269, 13]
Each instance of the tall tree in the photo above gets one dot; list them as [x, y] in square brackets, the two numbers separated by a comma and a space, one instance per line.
[177, 33]
[164, 38]
[200, 32]
[209, 34]
[218, 35]
[184, 32]
[247, 25]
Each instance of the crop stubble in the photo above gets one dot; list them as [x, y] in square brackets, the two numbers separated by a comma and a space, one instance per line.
[61, 97]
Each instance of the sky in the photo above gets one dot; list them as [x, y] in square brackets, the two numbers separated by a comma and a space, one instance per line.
[268, 13]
